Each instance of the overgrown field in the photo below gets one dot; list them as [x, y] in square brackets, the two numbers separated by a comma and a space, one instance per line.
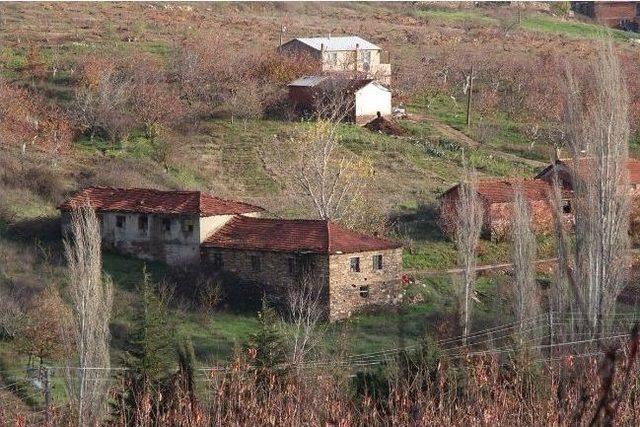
[193, 96]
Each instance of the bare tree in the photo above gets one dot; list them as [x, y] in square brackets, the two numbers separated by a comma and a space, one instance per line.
[597, 136]
[469, 214]
[305, 302]
[526, 302]
[91, 297]
[312, 163]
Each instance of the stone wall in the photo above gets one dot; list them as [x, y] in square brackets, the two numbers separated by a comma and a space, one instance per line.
[500, 218]
[275, 271]
[352, 291]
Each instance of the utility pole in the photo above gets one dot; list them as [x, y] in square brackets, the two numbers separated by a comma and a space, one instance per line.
[469, 90]
[47, 395]
[283, 29]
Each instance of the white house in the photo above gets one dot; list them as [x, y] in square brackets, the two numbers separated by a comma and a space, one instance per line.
[366, 97]
[342, 54]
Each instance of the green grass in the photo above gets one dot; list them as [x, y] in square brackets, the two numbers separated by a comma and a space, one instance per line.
[572, 29]
[451, 15]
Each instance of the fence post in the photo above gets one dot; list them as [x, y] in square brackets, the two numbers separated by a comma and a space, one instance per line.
[47, 395]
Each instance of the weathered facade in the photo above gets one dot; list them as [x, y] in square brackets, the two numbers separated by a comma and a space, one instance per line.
[497, 198]
[168, 226]
[365, 99]
[353, 270]
[342, 54]
[615, 14]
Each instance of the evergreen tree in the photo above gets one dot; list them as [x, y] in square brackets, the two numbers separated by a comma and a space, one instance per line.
[266, 347]
[148, 361]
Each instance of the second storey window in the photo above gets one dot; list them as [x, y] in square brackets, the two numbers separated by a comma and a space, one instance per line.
[377, 262]
[354, 264]
[121, 221]
[187, 226]
[255, 263]
[143, 223]
[333, 58]
[291, 264]
[166, 224]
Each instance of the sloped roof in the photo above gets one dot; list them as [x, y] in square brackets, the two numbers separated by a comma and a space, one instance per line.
[338, 43]
[146, 200]
[293, 235]
[308, 81]
[633, 166]
[504, 190]
[348, 83]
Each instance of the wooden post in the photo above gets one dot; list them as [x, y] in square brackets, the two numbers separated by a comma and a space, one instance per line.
[469, 90]
[47, 395]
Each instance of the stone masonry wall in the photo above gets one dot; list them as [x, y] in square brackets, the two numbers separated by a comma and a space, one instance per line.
[273, 271]
[351, 291]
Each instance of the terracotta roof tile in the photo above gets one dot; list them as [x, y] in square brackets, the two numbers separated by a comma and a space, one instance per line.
[293, 235]
[633, 166]
[503, 190]
[145, 200]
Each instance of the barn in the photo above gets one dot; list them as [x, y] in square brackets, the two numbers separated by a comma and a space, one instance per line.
[497, 198]
[365, 98]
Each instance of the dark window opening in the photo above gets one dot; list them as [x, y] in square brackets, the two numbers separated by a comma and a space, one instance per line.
[120, 221]
[364, 291]
[217, 260]
[255, 262]
[143, 223]
[566, 206]
[292, 266]
[354, 264]
[377, 262]
[638, 9]
[187, 226]
[166, 224]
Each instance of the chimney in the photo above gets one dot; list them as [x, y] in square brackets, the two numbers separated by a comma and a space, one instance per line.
[321, 47]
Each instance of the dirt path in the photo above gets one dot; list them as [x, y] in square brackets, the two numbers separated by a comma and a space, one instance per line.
[463, 139]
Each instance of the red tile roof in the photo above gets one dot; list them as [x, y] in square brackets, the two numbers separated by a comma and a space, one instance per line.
[503, 190]
[293, 235]
[145, 200]
[633, 166]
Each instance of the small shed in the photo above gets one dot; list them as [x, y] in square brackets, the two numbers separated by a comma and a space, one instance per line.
[365, 98]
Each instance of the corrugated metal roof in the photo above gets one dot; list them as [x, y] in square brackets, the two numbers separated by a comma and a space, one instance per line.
[308, 81]
[338, 43]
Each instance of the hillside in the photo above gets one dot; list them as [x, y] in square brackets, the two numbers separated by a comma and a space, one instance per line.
[519, 55]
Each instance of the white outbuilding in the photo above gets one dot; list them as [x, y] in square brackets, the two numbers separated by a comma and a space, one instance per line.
[365, 98]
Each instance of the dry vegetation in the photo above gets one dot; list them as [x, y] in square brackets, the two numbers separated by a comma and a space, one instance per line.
[192, 96]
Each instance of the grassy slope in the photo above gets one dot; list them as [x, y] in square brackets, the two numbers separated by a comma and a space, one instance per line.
[223, 157]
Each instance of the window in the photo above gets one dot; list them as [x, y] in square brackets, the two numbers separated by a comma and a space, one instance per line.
[566, 206]
[333, 58]
[364, 291]
[121, 221]
[166, 224]
[143, 223]
[377, 262]
[366, 60]
[187, 226]
[216, 260]
[291, 263]
[637, 9]
[255, 262]
[354, 264]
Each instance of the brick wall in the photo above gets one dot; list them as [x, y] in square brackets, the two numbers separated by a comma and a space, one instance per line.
[351, 291]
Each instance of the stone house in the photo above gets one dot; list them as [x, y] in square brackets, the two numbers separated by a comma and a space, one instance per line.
[354, 270]
[364, 98]
[342, 54]
[168, 226]
[497, 198]
[615, 14]
[185, 228]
